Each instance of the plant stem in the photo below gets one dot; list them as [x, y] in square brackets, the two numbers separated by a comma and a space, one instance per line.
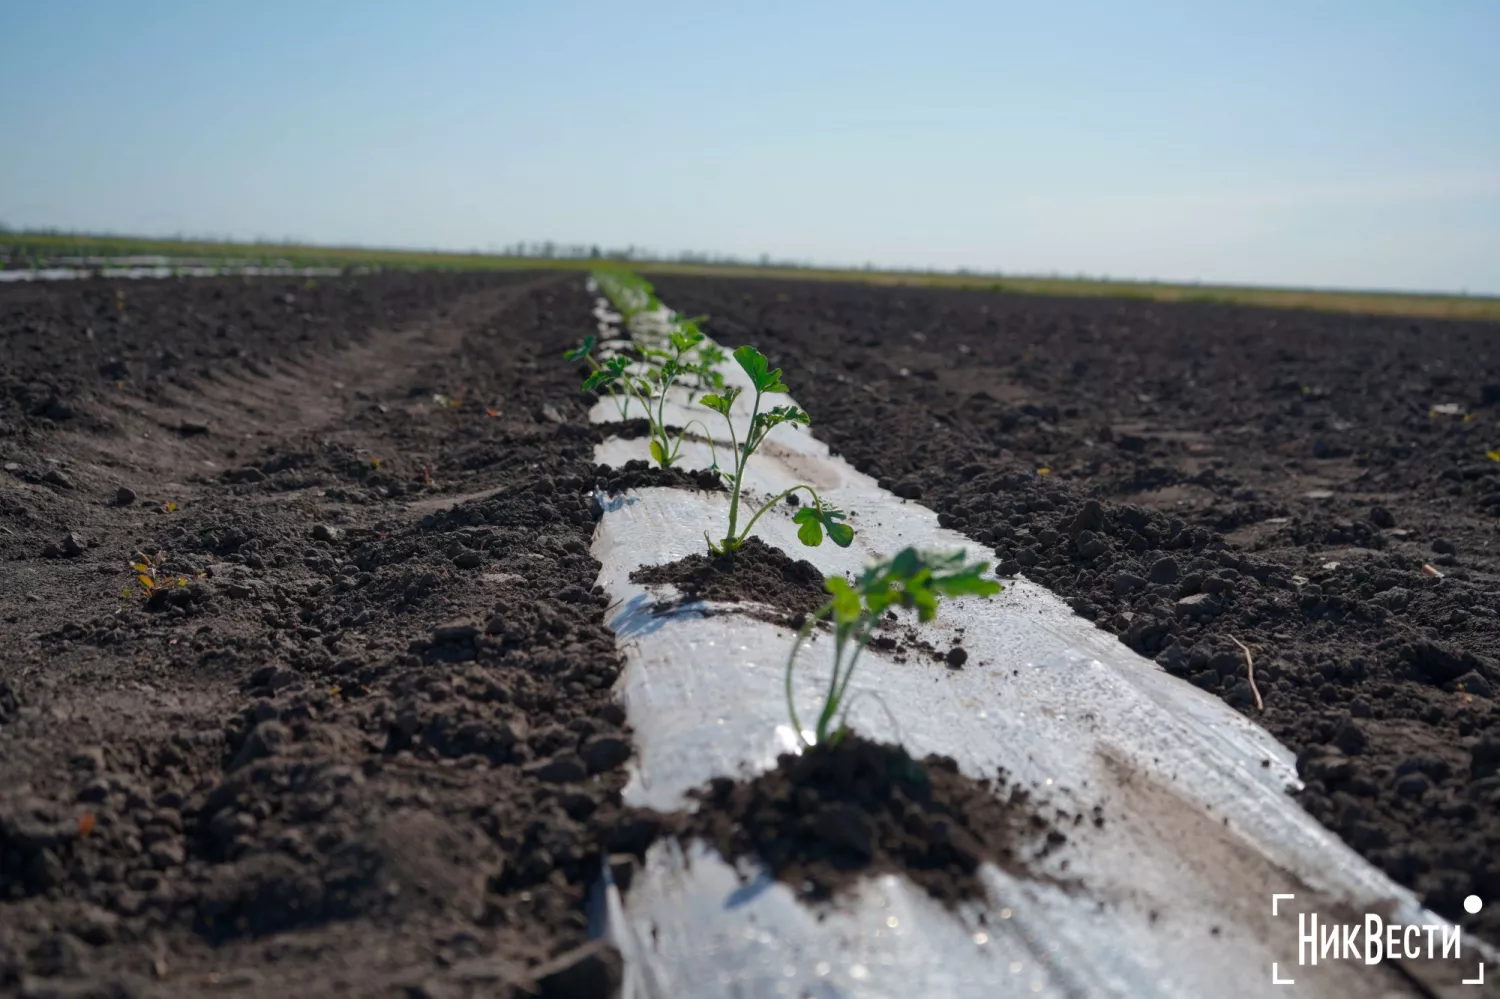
[712, 451]
[743, 459]
[791, 661]
[820, 732]
[777, 499]
[859, 646]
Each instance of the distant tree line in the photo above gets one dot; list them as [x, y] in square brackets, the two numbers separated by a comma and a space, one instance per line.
[546, 249]
[549, 250]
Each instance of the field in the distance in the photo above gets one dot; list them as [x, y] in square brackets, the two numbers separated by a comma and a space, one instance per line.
[24, 249]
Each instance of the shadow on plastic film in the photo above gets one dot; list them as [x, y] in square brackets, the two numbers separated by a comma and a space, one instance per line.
[750, 891]
[616, 503]
[644, 616]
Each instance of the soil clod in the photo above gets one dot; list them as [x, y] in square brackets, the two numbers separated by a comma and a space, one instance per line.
[756, 573]
[824, 819]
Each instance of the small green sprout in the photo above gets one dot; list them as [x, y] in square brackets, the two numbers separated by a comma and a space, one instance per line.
[911, 578]
[628, 292]
[813, 521]
[585, 352]
[663, 368]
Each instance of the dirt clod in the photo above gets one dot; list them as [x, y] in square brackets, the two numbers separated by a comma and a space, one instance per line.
[834, 814]
[757, 572]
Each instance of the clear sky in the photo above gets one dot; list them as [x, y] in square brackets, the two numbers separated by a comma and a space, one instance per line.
[1350, 143]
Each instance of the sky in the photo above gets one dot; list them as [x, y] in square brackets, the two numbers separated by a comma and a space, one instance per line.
[1344, 143]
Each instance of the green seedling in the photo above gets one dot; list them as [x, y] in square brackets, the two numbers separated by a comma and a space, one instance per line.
[630, 293]
[814, 521]
[912, 579]
[662, 369]
[705, 366]
[585, 352]
[710, 356]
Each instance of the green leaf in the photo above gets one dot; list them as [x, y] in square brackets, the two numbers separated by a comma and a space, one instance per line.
[584, 349]
[811, 531]
[722, 402]
[967, 583]
[659, 454]
[840, 534]
[917, 579]
[765, 422]
[755, 365]
[815, 521]
[791, 414]
[686, 341]
[600, 378]
[846, 605]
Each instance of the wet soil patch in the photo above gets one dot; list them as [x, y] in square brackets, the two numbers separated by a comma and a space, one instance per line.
[758, 573]
[823, 820]
[1315, 485]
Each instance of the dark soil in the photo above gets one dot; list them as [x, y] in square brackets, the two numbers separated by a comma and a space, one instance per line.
[1187, 474]
[826, 818]
[758, 573]
[641, 474]
[66, 342]
[368, 748]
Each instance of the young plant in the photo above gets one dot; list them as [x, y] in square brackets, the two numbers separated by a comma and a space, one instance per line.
[705, 370]
[148, 572]
[814, 520]
[585, 352]
[663, 368]
[911, 578]
[628, 292]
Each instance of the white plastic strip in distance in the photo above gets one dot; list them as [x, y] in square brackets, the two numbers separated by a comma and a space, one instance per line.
[1171, 896]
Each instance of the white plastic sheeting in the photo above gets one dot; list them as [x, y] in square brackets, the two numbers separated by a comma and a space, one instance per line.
[1171, 896]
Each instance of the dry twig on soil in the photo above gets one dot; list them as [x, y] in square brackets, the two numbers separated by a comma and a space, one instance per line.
[1260, 705]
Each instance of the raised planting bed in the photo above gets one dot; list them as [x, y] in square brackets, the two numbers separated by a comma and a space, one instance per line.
[1321, 488]
[1156, 822]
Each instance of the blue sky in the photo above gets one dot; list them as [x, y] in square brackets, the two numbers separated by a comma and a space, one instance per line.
[1352, 144]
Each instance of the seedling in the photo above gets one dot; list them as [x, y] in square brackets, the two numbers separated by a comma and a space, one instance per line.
[628, 292]
[815, 520]
[585, 352]
[912, 579]
[664, 367]
[706, 369]
[148, 572]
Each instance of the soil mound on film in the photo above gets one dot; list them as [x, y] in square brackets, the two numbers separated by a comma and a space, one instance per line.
[757, 573]
[836, 814]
